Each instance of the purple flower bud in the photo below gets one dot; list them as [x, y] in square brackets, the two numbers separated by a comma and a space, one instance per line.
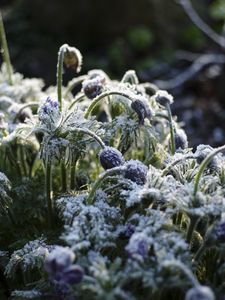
[72, 58]
[127, 231]
[92, 87]
[180, 139]
[202, 152]
[58, 261]
[142, 110]
[163, 98]
[110, 157]
[73, 275]
[136, 171]
[200, 293]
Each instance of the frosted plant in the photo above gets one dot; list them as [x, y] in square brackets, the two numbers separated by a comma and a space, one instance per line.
[31, 256]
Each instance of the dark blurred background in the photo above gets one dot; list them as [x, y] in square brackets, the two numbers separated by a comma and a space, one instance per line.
[154, 37]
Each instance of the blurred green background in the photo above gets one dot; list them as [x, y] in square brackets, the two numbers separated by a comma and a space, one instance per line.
[116, 35]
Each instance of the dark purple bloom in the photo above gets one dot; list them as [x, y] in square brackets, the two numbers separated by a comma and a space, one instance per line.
[202, 152]
[93, 87]
[142, 110]
[110, 157]
[136, 171]
[163, 98]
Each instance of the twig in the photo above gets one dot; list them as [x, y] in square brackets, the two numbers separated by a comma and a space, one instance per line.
[188, 8]
[202, 62]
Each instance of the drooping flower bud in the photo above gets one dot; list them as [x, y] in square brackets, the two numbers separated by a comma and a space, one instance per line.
[202, 152]
[142, 109]
[93, 87]
[110, 157]
[163, 98]
[72, 58]
[49, 113]
[180, 139]
[136, 171]
[200, 293]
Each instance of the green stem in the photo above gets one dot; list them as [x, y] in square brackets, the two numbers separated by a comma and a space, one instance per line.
[102, 96]
[167, 169]
[22, 108]
[59, 75]
[73, 176]
[116, 170]
[23, 160]
[76, 100]
[203, 165]
[88, 132]
[199, 253]
[130, 76]
[63, 177]
[172, 138]
[191, 228]
[48, 189]
[5, 50]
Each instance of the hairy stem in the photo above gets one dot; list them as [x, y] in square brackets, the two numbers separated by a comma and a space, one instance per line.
[59, 75]
[5, 50]
[102, 96]
[172, 138]
[107, 173]
[203, 165]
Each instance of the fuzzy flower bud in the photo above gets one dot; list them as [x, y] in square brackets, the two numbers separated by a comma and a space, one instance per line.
[73, 275]
[72, 58]
[93, 87]
[138, 246]
[142, 109]
[202, 152]
[163, 98]
[110, 157]
[180, 139]
[200, 293]
[49, 113]
[136, 171]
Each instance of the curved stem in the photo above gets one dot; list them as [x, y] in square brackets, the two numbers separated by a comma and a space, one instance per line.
[130, 76]
[203, 165]
[172, 138]
[5, 49]
[22, 108]
[76, 100]
[73, 83]
[92, 134]
[73, 176]
[59, 75]
[167, 169]
[191, 228]
[102, 96]
[184, 269]
[199, 253]
[116, 170]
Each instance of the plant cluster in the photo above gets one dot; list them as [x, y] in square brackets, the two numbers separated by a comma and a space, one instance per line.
[100, 196]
